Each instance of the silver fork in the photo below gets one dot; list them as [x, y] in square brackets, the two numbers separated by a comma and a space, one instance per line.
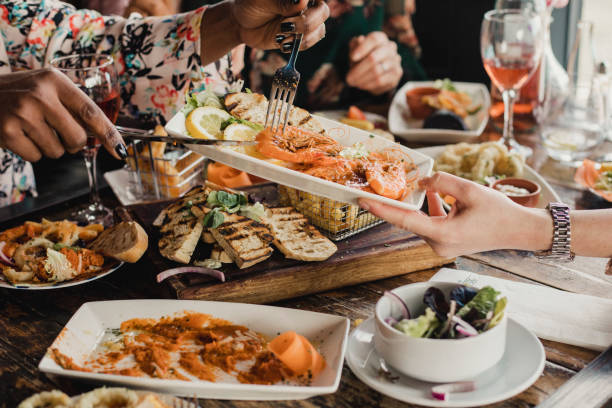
[284, 86]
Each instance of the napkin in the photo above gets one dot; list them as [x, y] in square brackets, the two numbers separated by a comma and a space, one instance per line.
[552, 314]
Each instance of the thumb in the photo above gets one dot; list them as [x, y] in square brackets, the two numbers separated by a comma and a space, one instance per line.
[413, 221]
[447, 184]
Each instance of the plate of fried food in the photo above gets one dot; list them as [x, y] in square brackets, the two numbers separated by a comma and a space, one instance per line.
[313, 154]
[199, 348]
[439, 111]
[58, 254]
[104, 397]
[486, 163]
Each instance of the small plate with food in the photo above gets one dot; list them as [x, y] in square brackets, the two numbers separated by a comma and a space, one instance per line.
[597, 177]
[313, 154]
[59, 254]
[205, 349]
[439, 111]
[488, 162]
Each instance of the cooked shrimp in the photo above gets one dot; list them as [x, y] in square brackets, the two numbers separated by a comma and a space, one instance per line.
[338, 170]
[296, 145]
[387, 179]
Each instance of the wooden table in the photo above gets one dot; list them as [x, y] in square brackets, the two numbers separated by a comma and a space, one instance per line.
[30, 320]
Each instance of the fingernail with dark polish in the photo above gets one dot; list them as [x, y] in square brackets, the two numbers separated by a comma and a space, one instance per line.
[279, 38]
[287, 47]
[121, 151]
[296, 1]
[287, 27]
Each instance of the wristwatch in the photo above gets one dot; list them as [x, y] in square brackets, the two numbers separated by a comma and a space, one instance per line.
[562, 234]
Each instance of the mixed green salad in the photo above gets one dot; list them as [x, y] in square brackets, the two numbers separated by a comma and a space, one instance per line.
[230, 203]
[468, 312]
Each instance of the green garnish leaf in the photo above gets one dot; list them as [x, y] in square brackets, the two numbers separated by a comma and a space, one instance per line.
[213, 219]
[484, 301]
[422, 326]
[59, 246]
[232, 120]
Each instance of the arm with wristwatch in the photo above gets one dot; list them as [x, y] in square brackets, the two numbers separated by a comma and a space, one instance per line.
[483, 219]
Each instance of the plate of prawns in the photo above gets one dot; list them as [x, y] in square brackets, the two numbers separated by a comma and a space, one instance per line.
[51, 255]
[328, 159]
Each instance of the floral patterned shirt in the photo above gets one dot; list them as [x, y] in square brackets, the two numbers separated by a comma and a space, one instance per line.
[157, 59]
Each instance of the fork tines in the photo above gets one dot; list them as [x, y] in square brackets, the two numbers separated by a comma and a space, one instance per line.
[284, 86]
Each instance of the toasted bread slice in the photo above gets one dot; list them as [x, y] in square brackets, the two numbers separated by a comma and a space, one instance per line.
[207, 237]
[295, 237]
[180, 237]
[253, 107]
[218, 254]
[246, 241]
[126, 241]
[195, 197]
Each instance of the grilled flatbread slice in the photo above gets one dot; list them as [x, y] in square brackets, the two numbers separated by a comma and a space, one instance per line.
[195, 197]
[246, 241]
[218, 254]
[253, 107]
[295, 237]
[179, 238]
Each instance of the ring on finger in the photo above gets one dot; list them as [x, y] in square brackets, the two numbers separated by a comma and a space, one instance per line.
[384, 66]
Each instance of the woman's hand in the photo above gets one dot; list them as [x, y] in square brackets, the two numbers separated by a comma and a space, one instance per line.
[42, 113]
[263, 24]
[152, 7]
[376, 65]
[481, 219]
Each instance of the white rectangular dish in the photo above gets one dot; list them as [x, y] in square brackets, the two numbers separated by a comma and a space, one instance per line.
[402, 126]
[346, 135]
[85, 330]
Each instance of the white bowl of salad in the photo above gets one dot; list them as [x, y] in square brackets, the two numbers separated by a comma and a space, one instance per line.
[441, 332]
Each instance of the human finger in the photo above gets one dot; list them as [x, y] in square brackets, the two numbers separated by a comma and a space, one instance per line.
[412, 221]
[371, 42]
[372, 65]
[15, 140]
[434, 203]
[87, 112]
[306, 22]
[447, 184]
[72, 134]
[313, 38]
[47, 141]
[292, 7]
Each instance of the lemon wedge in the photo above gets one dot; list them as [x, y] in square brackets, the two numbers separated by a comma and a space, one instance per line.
[205, 122]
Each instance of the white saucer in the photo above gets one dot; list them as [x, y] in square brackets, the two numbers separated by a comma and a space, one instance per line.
[520, 367]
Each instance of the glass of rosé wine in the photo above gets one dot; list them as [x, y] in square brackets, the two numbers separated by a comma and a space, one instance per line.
[95, 75]
[511, 42]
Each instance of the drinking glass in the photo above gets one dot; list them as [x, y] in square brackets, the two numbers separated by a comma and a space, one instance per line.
[95, 75]
[511, 45]
[578, 129]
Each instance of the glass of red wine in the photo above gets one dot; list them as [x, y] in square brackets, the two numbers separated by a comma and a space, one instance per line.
[511, 42]
[95, 75]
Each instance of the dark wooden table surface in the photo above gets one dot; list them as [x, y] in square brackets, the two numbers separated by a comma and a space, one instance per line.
[30, 320]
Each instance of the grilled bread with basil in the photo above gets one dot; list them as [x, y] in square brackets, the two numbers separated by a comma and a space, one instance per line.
[246, 241]
[253, 107]
[295, 237]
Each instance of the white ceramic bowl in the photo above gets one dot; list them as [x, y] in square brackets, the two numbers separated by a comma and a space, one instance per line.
[435, 360]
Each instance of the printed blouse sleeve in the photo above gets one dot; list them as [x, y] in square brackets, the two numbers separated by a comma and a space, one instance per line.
[157, 58]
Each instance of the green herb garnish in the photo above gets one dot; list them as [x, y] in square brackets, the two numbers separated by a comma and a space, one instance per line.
[232, 120]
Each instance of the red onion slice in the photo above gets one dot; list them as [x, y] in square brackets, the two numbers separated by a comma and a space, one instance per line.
[5, 259]
[464, 327]
[190, 269]
[442, 391]
[391, 321]
[398, 300]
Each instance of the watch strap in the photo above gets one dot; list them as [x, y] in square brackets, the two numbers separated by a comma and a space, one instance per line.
[562, 234]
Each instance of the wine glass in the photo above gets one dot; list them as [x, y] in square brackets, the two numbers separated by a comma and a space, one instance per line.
[95, 75]
[511, 43]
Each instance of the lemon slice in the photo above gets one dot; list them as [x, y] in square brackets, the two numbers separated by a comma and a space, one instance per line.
[205, 122]
[238, 131]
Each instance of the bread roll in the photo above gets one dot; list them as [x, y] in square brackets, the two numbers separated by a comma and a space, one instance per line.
[126, 241]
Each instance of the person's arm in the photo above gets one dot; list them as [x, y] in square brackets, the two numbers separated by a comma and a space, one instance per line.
[483, 219]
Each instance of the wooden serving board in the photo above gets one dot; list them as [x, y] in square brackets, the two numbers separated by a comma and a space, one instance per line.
[378, 253]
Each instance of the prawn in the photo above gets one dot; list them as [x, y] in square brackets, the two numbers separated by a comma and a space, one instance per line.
[296, 145]
[337, 169]
[386, 173]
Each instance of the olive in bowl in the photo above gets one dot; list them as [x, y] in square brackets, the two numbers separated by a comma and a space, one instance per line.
[431, 356]
[521, 191]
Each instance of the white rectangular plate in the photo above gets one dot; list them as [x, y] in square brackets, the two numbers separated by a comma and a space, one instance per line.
[402, 126]
[548, 195]
[346, 135]
[84, 330]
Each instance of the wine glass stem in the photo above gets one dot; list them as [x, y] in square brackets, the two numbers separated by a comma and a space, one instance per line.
[90, 155]
[508, 96]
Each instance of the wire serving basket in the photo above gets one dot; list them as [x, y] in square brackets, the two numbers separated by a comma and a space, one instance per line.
[335, 219]
[158, 171]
